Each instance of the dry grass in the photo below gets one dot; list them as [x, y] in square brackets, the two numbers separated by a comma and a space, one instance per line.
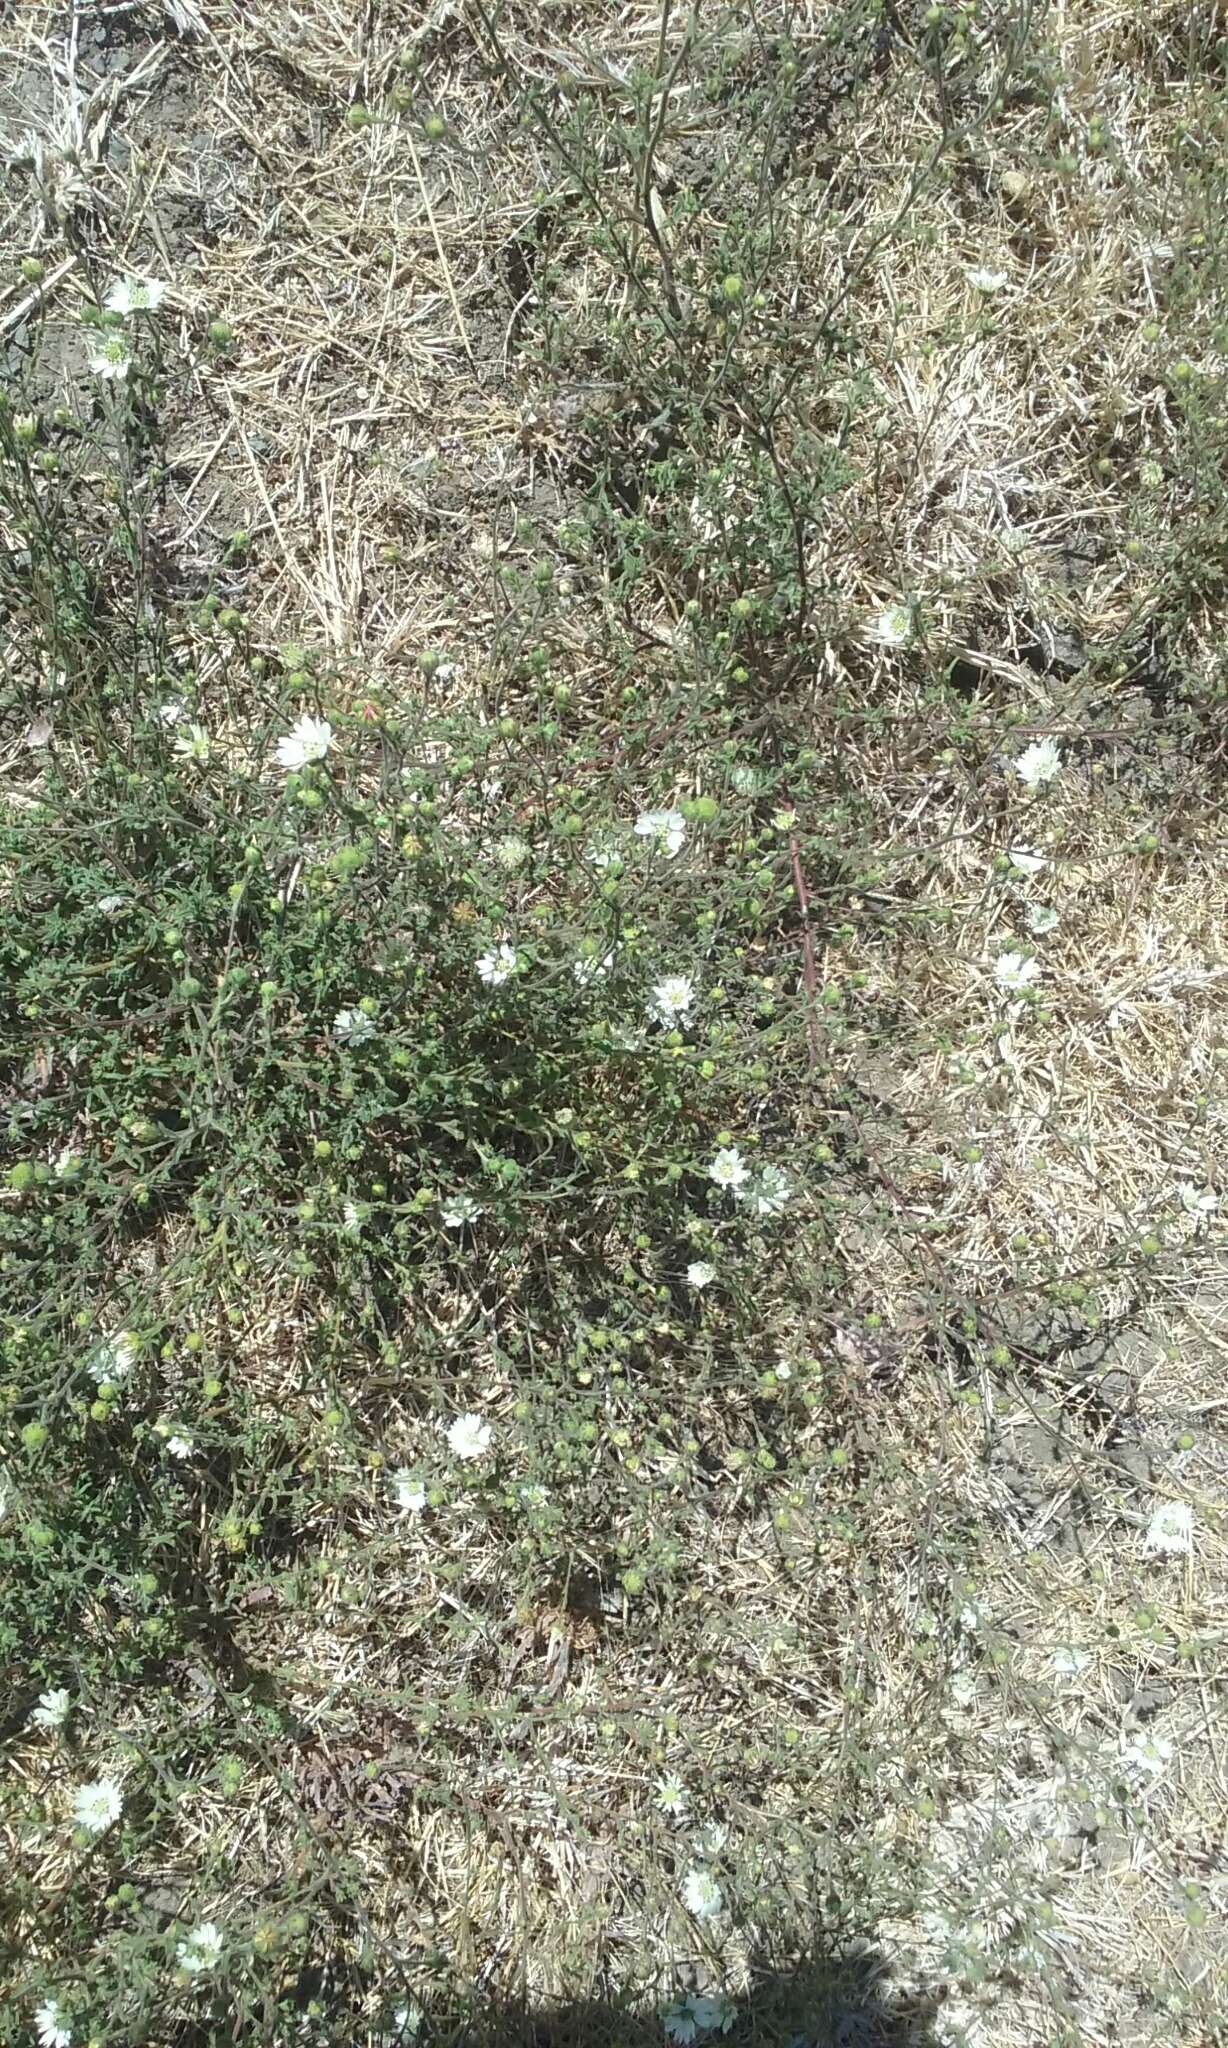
[379, 429]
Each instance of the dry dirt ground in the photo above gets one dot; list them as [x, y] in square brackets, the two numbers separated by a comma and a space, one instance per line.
[381, 433]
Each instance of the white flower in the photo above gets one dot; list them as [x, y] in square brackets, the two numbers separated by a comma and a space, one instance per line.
[983, 280]
[353, 1027]
[495, 967]
[408, 1491]
[671, 999]
[109, 358]
[135, 295]
[1170, 1532]
[973, 1613]
[1196, 1201]
[591, 967]
[769, 1192]
[701, 1894]
[1025, 861]
[1147, 1755]
[179, 1445]
[109, 905]
[201, 1949]
[468, 1437]
[460, 1210]
[696, 2014]
[53, 1709]
[512, 852]
[308, 740]
[111, 1361]
[1015, 971]
[352, 1218]
[97, 1806]
[666, 830]
[671, 1796]
[1042, 918]
[193, 745]
[1070, 1662]
[699, 1274]
[728, 1168]
[51, 2026]
[894, 625]
[1039, 763]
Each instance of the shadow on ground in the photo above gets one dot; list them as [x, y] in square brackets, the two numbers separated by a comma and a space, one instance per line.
[845, 2002]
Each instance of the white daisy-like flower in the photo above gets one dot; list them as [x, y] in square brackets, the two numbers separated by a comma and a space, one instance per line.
[1170, 1532]
[461, 1209]
[111, 1361]
[894, 625]
[1026, 861]
[1196, 1201]
[110, 358]
[984, 280]
[671, 1796]
[1042, 919]
[699, 1274]
[665, 830]
[469, 1437]
[512, 852]
[671, 999]
[701, 1894]
[1015, 972]
[111, 905]
[591, 967]
[696, 2014]
[497, 966]
[130, 295]
[179, 1444]
[1069, 1661]
[1147, 1754]
[353, 1027]
[1039, 763]
[53, 1708]
[97, 1806]
[201, 1949]
[728, 1169]
[408, 1491]
[193, 745]
[51, 2026]
[307, 740]
[974, 1613]
[768, 1193]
